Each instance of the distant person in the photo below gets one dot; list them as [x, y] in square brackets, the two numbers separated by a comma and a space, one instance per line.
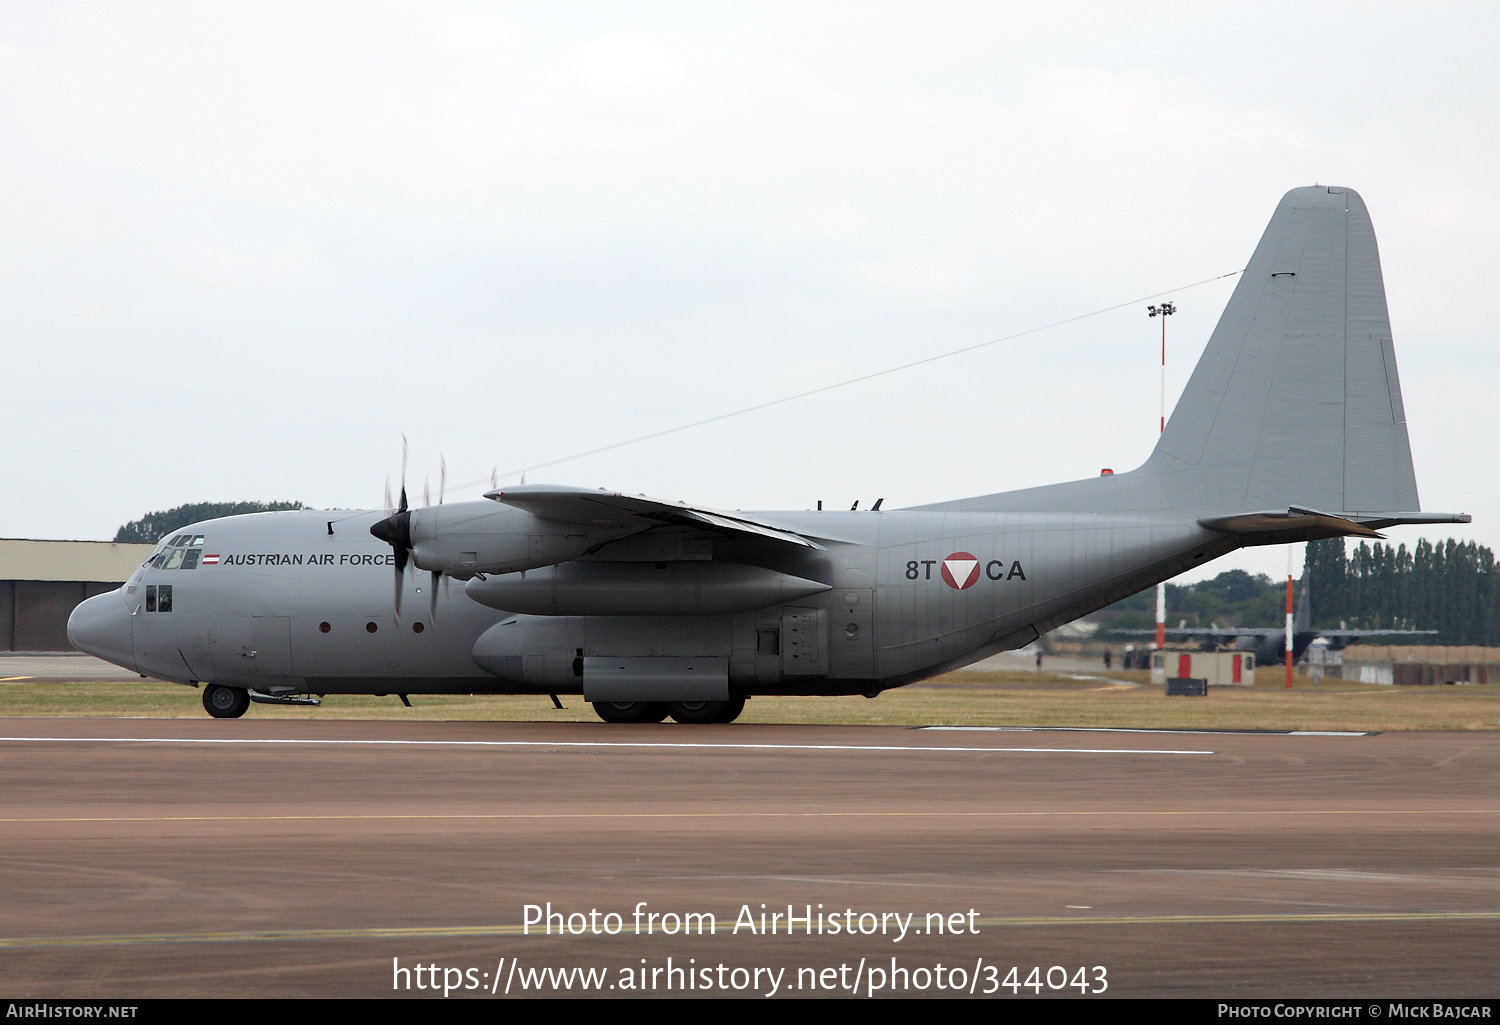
[1038, 661]
[1109, 658]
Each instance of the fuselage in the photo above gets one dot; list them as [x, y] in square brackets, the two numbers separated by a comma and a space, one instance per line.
[304, 602]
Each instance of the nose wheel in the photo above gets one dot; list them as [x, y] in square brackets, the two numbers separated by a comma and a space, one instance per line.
[225, 702]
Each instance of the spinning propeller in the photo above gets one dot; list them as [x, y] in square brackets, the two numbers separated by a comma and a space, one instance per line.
[395, 530]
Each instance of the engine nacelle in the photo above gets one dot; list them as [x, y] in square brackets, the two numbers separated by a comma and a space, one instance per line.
[465, 538]
[641, 589]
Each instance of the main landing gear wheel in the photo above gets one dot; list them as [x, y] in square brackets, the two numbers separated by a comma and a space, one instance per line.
[225, 702]
[706, 711]
[630, 711]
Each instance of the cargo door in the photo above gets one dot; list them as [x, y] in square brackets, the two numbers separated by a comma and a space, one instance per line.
[851, 644]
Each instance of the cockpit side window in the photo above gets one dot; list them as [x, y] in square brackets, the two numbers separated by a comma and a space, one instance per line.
[155, 554]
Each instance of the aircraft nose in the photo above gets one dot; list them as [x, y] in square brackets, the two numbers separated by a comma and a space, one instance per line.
[100, 626]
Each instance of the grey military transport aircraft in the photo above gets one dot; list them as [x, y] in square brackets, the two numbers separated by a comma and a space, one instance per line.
[1290, 429]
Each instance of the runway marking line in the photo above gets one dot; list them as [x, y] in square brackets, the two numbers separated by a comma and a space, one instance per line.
[665, 745]
[1142, 729]
[409, 932]
[462, 816]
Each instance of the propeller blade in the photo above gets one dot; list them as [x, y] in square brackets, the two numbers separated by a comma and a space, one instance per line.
[494, 478]
[400, 580]
[426, 497]
[395, 530]
[442, 478]
[402, 507]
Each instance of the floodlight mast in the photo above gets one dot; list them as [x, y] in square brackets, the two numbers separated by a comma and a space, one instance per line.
[1164, 311]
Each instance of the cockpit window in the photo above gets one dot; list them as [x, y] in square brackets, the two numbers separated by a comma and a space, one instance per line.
[180, 552]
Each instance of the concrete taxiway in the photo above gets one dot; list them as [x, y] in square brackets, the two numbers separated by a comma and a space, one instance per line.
[277, 858]
[38, 667]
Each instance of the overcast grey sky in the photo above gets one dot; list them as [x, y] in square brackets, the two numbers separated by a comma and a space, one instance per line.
[242, 250]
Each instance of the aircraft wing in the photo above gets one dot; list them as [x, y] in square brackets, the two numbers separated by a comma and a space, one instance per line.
[611, 508]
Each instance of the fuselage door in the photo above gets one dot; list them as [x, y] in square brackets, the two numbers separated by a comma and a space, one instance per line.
[271, 641]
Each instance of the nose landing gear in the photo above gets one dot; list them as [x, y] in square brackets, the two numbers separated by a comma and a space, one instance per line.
[225, 702]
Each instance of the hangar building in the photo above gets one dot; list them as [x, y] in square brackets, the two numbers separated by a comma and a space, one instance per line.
[42, 581]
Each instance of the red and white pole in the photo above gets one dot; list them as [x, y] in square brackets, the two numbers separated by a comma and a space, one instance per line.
[1289, 550]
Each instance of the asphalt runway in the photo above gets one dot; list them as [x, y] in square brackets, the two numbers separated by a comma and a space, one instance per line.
[153, 857]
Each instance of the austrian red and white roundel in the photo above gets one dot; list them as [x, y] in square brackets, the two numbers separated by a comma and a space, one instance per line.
[960, 570]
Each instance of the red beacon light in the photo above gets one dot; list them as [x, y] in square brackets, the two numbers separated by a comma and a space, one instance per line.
[1106, 473]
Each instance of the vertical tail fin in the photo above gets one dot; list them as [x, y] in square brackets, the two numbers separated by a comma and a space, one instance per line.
[1296, 400]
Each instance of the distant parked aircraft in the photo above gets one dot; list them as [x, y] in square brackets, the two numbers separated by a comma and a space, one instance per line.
[1269, 642]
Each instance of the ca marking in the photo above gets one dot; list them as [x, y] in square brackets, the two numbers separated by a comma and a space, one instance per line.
[1291, 429]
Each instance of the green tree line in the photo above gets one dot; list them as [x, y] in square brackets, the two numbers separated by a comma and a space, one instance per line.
[152, 527]
[1448, 586]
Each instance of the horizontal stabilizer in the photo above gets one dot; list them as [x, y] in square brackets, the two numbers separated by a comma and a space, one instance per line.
[1295, 523]
[1379, 521]
[1308, 524]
